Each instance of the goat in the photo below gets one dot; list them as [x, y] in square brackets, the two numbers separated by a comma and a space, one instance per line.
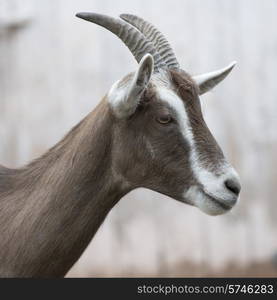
[148, 131]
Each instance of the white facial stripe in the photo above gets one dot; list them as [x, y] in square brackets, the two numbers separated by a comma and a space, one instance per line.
[212, 184]
[177, 105]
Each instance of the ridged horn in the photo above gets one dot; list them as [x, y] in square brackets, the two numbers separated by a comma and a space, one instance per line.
[156, 37]
[131, 36]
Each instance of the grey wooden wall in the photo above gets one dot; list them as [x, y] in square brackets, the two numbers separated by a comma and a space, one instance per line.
[54, 68]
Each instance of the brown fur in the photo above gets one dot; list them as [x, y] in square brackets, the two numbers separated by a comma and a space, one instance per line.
[47, 216]
[50, 209]
[211, 154]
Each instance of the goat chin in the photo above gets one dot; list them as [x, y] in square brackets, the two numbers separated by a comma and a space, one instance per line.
[209, 205]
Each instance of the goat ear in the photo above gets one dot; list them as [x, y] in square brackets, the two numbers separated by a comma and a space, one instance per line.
[207, 81]
[124, 99]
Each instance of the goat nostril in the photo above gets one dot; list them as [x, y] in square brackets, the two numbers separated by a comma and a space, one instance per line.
[233, 185]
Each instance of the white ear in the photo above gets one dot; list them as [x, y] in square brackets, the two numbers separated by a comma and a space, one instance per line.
[207, 81]
[124, 97]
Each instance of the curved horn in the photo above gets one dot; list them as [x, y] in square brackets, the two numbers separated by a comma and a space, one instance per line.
[209, 80]
[132, 37]
[155, 36]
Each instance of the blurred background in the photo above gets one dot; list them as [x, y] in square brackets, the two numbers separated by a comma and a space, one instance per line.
[55, 68]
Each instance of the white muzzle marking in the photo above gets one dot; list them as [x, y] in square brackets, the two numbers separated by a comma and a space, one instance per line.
[210, 194]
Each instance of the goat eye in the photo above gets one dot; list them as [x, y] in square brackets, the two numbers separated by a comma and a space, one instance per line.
[165, 119]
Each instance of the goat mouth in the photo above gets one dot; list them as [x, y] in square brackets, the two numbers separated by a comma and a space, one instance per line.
[217, 201]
